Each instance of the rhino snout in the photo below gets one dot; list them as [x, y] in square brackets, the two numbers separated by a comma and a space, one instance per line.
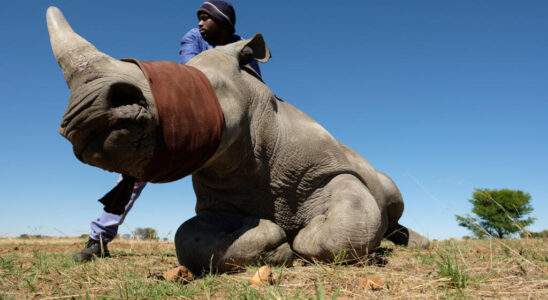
[110, 125]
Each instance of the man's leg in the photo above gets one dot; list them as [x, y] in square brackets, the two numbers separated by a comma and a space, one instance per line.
[105, 229]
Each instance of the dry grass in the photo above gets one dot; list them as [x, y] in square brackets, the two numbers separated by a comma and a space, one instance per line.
[500, 269]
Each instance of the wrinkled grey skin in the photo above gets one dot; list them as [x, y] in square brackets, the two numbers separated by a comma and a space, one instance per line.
[278, 186]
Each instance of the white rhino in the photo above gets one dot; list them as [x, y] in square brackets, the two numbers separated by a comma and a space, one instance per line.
[277, 186]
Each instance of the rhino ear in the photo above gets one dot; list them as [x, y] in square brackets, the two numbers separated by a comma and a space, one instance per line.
[254, 49]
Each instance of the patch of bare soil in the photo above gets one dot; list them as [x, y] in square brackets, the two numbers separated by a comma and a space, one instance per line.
[500, 269]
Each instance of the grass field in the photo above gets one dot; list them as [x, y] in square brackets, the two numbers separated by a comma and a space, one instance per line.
[475, 269]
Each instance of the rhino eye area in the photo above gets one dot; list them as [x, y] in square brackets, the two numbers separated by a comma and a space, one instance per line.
[122, 94]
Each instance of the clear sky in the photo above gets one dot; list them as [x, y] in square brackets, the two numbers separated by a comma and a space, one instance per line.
[443, 96]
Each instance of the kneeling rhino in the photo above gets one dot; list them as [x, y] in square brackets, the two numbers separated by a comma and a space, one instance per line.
[271, 183]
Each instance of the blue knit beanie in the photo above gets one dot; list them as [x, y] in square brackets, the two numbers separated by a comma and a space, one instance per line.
[220, 11]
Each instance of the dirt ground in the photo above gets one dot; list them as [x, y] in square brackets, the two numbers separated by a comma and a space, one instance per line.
[498, 269]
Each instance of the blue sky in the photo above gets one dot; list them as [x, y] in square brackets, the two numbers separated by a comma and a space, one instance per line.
[443, 96]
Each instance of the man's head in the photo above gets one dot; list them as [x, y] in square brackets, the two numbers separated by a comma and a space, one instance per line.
[216, 21]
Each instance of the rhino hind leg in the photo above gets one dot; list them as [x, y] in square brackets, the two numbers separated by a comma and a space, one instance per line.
[397, 233]
[392, 199]
[353, 223]
[220, 242]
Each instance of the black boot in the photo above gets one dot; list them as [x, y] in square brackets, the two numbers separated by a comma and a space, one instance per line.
[92, 248]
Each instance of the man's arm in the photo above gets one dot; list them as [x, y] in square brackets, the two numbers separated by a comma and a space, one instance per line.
[190, 46]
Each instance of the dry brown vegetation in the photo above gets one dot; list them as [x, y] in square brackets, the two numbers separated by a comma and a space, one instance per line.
[500, 269]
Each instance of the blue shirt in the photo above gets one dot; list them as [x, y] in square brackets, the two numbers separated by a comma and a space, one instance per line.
[193, 43]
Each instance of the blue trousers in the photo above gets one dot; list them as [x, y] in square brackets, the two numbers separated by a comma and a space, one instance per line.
[106, 226]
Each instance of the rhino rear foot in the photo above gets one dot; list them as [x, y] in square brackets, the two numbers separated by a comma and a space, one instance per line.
[220, 242]
[401, 235]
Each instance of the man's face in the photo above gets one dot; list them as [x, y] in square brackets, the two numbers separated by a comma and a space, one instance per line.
[209, 29]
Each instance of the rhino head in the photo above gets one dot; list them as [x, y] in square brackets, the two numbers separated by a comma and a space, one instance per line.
[112, 119]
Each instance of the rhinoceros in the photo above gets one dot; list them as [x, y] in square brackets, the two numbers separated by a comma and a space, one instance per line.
[276, 186]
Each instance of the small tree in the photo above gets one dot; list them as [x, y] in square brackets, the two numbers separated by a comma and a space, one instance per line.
[500, 213]
[146, 233]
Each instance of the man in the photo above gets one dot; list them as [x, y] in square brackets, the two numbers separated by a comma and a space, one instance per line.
[216, 20]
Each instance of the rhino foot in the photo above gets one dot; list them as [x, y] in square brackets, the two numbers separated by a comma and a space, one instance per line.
[221, 242]
[401, 235]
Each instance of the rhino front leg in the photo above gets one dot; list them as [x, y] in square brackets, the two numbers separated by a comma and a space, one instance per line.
[220, 242]
[353, 223]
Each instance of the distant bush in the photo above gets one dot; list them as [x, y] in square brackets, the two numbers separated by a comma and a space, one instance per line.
[31, 236]
[539, 235]
[146, 233]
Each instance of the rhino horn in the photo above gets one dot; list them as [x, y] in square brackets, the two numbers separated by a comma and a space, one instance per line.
[73, 53]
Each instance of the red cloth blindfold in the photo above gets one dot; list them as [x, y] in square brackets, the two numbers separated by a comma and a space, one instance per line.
[190, 122]
[190, 119]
